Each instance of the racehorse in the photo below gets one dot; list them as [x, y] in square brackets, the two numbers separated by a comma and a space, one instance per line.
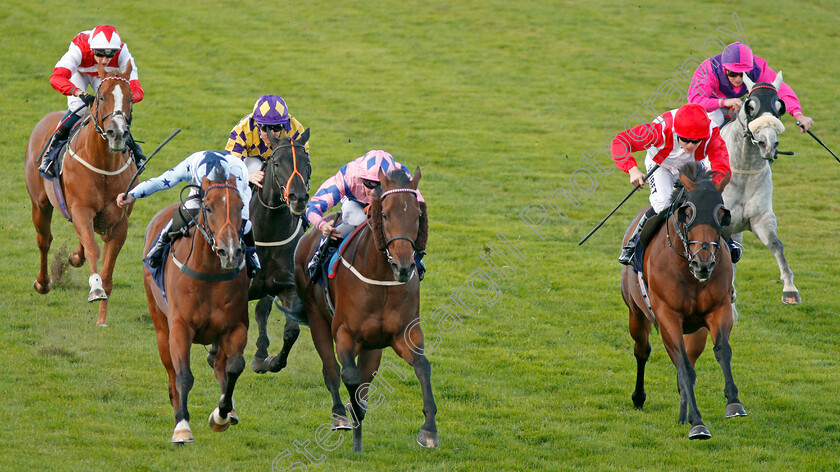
[96, 168]
[752, 143]
[204, 299]
[277, 216]
[690, 284]
[376, 299]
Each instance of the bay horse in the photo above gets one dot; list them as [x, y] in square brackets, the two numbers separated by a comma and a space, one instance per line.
[97, 167]
[376, 298]
[752, 142]
[277, 217]
[690, 284]
[204, 301]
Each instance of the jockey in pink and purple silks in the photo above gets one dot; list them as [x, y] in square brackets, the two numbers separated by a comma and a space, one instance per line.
[353, 186]
[718, 84]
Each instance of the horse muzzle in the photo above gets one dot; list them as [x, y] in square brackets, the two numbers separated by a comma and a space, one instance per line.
[230, 257]
[701, 270]
[297, 203]
[403, 272]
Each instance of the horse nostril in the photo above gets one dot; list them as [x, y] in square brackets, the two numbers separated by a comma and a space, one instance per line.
[221, 252]
[305, 197]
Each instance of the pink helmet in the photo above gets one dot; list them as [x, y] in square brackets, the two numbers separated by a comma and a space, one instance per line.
[104, 37]
[737, 57]
[692, 122]
[375, 160]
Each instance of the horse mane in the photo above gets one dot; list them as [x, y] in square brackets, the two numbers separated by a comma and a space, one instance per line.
[400, 180]
[695, 172]
[218, 174]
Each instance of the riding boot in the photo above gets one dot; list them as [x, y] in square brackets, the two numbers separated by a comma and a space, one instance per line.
[136, 152]
[252, 262]
[418, 262]
[629, 248]
[318, 257]
[155, 255]
[735, 250]
[59, 137]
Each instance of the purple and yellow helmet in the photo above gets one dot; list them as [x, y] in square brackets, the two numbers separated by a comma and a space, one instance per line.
[271, 110]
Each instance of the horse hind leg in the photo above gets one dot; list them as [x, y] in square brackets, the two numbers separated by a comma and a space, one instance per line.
[640, 332]
[765, 230]
[42, 219]
[352, 379]
[290, 334]
[261, 312]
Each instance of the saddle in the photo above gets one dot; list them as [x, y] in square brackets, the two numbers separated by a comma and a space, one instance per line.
[57, 153]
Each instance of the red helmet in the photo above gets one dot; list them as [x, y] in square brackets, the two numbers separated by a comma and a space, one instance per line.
[104, 37]
[692, 122]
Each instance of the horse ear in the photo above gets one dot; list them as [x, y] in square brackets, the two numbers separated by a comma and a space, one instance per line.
[383, 179]
[272, 140]
[304, 137]
[748, 82]
[778, 82]
[100, 70]
[723, 182]
[415, 179]
[125, 75]
[687, 183]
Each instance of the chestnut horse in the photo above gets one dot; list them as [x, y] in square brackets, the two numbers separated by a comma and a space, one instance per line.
[205, 299]
[277, 216]
[376, 297]
[97, 167]
[690, 284]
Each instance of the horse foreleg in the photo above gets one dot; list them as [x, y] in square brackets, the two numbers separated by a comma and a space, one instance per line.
[672, 338]
[640, 332]
[765, 229]
[112, 244]
[322, 339]
[77, 258]
[42, 219]
[409, 346]
[261, 313]
[228, 369]
[345, 348]
[721, 322]
[180, 341]
[83, 222]
[695, 344]
[290, 334]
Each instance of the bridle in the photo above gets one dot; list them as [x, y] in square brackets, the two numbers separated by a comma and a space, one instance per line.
[295, 172]
[396, 238]
[748, 134]
[711, 246]
[208, 235]
[99, 120]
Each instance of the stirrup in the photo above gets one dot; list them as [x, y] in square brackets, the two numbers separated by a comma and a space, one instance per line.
[626, 256]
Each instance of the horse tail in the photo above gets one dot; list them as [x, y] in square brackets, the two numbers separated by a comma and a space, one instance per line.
[296, 313]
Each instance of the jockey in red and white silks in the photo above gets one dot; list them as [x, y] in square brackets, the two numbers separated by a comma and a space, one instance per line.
[77, 67]
[665, 142]
[718, 84]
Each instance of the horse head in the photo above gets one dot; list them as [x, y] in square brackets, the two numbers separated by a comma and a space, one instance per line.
[112, 108]
[762, 111]
[702, 217]
[399, 221]
[287, 172]
[221, 217]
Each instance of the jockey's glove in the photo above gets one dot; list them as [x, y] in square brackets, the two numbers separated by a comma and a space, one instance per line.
[87, 98]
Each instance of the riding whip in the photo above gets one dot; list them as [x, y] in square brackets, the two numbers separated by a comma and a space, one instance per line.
[143, 165]
[637, 187]
[818, 140]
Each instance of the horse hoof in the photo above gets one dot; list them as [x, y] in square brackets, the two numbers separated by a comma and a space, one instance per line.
[275, 363]
[42, 289]
[791, 298]
[258, 365]
[217, 423]
[183, 433]
[97, 294]
[735, 409]
[102, 325]
[75, 260]
[699, 431]
[428, 439]
[211, 359]
[340, 423]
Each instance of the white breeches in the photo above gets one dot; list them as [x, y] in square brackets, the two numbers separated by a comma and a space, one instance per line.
[352, 215]
[662, 181]
[82, 81]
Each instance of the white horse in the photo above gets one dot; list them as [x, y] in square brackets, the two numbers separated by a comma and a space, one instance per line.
[751, 140]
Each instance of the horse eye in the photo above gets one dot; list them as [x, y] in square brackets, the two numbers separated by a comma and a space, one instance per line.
[384, 216]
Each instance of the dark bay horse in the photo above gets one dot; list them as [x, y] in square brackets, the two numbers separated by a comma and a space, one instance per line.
[205, 300]
[376, 297]
[96, 168]
[690, 282]
[752, 142]
[277, 217]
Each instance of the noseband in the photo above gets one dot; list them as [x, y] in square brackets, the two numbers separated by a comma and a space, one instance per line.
[687, 226]
[99, 121]
[208, 236]
[396, 238]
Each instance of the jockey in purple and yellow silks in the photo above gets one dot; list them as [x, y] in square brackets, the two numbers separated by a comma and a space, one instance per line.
[248, 139]
[353, 186]
[718, 84]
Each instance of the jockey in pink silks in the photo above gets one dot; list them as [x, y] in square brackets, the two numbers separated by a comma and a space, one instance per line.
[78, 68]
[353, 186]
[718, 84]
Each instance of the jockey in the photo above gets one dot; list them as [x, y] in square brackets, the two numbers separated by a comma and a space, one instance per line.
[249, 138]
[718, 84]
[673, 139]
[77, 69]
[354, 185]
[192, 169]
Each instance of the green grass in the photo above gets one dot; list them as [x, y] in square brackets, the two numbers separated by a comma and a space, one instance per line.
[495, 101]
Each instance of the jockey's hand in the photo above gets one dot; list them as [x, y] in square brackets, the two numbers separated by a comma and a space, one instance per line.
[637, 178]
[804, 123]
[256, 177]
[328, 230]
[87, 98]
[733, 104]
[124, 199]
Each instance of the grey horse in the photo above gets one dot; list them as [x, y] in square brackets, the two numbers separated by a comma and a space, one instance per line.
[751, 140]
